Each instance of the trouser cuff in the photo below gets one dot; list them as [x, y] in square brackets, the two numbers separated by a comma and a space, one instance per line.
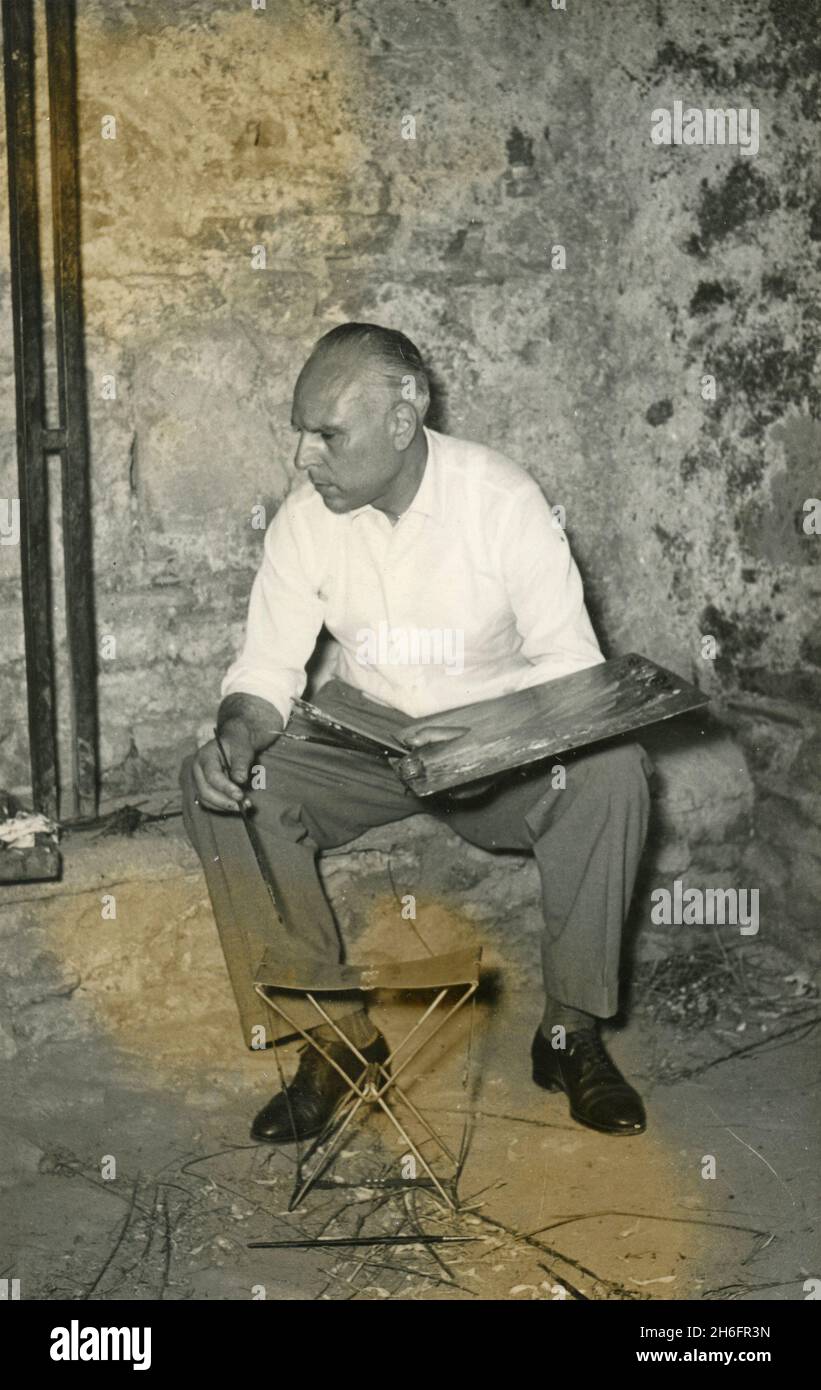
[357, 1026]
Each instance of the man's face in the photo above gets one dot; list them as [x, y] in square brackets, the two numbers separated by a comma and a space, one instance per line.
[345, 422]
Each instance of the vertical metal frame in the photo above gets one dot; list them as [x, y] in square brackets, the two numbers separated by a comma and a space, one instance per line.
[18, 65]
[34, 440]
[71, 385]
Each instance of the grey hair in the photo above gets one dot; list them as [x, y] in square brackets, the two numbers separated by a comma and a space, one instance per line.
[391, 352]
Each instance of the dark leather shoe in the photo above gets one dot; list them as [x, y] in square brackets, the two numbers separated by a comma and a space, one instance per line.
[314, 1093]
[598, 1093]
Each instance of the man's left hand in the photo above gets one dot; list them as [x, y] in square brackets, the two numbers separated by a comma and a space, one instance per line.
[427, 735]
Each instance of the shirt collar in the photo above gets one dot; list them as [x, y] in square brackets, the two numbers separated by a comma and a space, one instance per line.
[428, 500]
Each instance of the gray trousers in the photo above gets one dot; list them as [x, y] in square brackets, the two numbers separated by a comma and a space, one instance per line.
[587, 838]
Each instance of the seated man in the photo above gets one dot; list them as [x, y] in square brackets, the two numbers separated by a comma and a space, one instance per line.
[399, 529]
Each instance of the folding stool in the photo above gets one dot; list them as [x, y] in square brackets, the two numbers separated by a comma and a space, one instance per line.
[376, 1084]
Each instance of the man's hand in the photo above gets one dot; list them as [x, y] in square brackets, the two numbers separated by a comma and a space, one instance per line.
[247, 725]
[215, 789]
[423, 736]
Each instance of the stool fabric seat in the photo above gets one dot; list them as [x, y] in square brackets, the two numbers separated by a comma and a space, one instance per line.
[427, 972]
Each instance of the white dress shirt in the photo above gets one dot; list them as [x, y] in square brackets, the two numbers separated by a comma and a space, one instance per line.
[472, 594]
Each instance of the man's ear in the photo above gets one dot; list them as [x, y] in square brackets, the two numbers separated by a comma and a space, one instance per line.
[405, 425]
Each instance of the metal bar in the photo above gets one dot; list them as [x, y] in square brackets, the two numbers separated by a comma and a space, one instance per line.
[18, 66]
[376, 1184]
[314, 1042]
[432, 1007]
[71, 377]
[54, 441]
[437, 1139]
[400, 1128]
[310, 1241]
[469, 1117]
[463, 998]
[304, 1184]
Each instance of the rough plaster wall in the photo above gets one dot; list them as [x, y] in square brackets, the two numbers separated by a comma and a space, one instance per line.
[282, 128]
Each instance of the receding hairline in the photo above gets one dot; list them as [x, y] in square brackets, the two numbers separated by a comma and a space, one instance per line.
[363, 362]
[385, 353]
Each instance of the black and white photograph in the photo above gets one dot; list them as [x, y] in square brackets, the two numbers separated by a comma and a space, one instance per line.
[410, 665]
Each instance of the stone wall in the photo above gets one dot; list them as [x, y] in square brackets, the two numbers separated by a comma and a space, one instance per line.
[284, 128]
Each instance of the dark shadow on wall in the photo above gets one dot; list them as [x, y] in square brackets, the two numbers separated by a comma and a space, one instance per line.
[437, 416]
[704, 859]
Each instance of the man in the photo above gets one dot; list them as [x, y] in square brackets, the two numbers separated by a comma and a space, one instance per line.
[399, 529]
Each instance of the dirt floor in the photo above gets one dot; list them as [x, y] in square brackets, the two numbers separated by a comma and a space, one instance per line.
[126, 1170]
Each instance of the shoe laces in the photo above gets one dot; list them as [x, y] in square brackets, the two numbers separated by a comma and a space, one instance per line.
[590, 1050]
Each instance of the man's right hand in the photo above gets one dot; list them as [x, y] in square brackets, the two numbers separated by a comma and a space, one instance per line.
[215, 789]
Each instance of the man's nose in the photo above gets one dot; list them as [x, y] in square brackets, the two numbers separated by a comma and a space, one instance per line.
[306, 452]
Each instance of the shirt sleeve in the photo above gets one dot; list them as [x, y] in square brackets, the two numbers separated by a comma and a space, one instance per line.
[546, 592]
[285, 615]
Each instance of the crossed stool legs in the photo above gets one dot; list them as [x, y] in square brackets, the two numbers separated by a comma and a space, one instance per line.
[374, 1079]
